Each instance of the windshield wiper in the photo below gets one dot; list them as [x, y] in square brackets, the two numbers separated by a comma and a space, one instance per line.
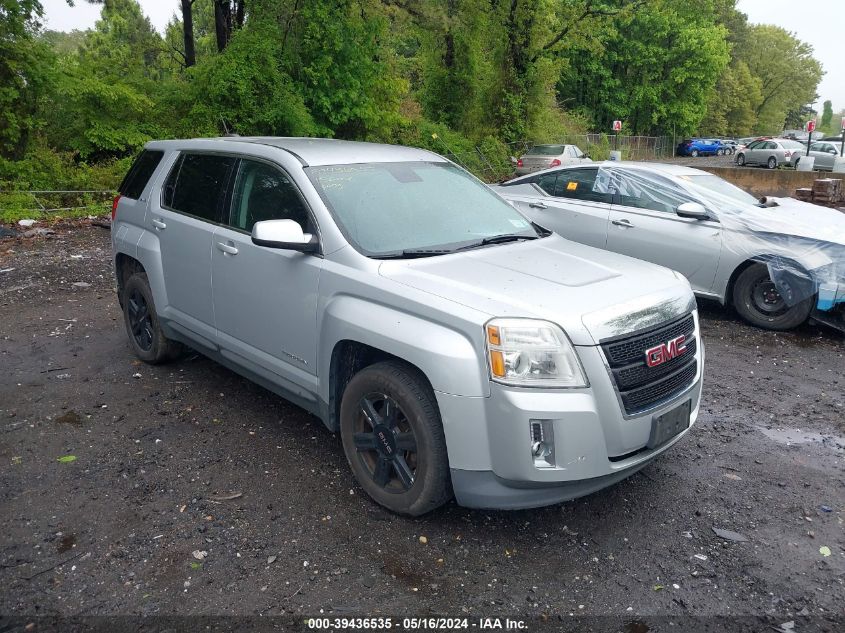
[413, 253]
[498, 239]
[501, 239]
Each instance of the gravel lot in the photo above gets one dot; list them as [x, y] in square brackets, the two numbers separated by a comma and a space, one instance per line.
[194, 491]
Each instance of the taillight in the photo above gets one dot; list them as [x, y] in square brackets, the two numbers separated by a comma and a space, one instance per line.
[555, 163]
[114, 207]
[519, 162]
[787, 153]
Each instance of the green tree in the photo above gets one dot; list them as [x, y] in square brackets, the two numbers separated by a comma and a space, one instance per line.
[827, 116]
[26, 74]
[731, 108]
[105, 99]
[245, 89]
[335, 50]
[787, 70]
[658, 70]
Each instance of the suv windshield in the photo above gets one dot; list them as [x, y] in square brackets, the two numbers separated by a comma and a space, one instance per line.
[395, 209]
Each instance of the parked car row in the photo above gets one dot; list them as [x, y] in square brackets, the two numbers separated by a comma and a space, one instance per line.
[510, 346]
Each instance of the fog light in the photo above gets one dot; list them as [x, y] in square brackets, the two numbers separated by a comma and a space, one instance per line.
[542, 443]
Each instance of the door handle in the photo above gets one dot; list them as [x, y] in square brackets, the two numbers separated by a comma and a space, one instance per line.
[227, 249]
[538, 205]
[626, 223]
[159, 224]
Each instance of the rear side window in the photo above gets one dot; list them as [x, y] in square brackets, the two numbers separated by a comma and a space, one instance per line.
[580, 184]
[196, 185]
[140, 173]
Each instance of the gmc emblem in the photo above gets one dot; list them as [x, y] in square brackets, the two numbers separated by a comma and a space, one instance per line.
[666, 351]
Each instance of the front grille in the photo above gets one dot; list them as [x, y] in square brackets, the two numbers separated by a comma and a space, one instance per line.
[640, 386]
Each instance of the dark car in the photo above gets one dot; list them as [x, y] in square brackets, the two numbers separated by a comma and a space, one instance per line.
[700, 147]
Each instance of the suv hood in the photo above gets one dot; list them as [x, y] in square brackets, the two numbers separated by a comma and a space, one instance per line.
[592, 294]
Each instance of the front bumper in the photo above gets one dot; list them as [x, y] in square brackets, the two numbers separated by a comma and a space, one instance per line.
[594, 443]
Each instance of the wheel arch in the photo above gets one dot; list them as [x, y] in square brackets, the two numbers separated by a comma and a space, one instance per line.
[124, 267]
[757, 259]
[348, 357]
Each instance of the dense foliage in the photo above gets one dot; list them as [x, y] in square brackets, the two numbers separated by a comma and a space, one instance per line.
[466, 77]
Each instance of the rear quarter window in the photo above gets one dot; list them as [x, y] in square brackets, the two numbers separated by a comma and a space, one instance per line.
[140, 173]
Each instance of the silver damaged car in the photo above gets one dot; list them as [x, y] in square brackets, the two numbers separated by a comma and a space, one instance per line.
[456, 347]
[777, 263]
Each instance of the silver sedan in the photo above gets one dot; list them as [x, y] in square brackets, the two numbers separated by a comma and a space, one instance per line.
[771, 152]
[775, 263]
[826, 156]
[545, 156]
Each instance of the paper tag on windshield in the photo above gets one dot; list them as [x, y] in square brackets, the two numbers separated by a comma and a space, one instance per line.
[520, 224]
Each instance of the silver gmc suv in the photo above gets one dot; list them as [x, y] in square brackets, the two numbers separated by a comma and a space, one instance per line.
[458, 348]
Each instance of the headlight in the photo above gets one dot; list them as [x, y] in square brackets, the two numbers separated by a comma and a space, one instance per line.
[532, 353]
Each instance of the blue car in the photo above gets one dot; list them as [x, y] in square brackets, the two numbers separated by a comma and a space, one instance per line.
[700, 147]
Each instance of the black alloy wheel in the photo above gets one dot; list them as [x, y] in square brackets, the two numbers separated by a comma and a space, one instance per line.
[140, 320]
[385, 442]
[146, 337]
[393, 438]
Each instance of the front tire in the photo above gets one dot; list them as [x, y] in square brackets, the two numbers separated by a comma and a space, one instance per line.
[142, 325]
[740, 160]
[393, 438]
[758, 301]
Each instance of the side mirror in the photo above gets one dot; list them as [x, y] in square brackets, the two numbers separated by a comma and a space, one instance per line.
[285, 235]
[692, 210]
[832, 151]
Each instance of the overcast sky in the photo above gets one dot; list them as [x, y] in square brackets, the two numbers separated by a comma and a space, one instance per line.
[820, 23]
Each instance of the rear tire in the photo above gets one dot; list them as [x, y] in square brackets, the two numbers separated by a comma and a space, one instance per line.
[694, 153]
[758, 301]
[142, 325]
[772, 163]
[393, 438]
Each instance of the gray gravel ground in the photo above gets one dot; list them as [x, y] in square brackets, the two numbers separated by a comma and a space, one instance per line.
[196, 492]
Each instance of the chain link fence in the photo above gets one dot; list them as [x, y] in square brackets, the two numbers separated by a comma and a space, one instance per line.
[16, 204]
